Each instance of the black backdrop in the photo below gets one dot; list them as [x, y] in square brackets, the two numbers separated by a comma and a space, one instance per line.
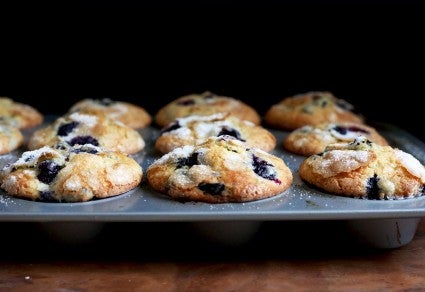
[259, 51]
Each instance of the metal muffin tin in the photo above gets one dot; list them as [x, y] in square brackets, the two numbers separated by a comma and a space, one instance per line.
[384, 224]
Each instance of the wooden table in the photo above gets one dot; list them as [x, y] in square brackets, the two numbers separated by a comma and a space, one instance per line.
[282, 256]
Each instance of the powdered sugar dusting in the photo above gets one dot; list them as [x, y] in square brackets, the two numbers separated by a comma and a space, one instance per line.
[28, 158]
[119, 175]
[258, 151]
[411, 164]
[301, 142]
[181, 132]
[348, 135]
[88, 120]
[179, 177]
[199, 128]
[325, 136]
[306, 129]
[233, 161]
[189, 119]
[201, 173]
[337, 161]
[5, 200]
[73, 183]
[204, 130]
[184, 151]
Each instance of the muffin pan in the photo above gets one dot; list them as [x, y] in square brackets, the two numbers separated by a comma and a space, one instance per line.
[384, 224]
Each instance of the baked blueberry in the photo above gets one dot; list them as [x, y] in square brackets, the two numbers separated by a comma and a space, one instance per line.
[372, 188]
[61, 146]
[67, 176]
[264, 169]
[79, 128]
[214, 189]
[85, 149]
[29, 158]
[194, 130]
[231, 132]
[344, 130]
[47, 196]
[188, 161]
[362, 169]
[48, 171]
[82, 140]
[219, 170]
[313, 139]
[65, 129]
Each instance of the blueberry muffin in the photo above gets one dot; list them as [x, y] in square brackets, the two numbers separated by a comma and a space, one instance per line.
[85, 128]
[363, 169]
[70, 174]
[309, 140]
[194, 130]
[19, 115]
[222, 169]
[205, 104]
[10, 138]
[129, 114]
[310, 108]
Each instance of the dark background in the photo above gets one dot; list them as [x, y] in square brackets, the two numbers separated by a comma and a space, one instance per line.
[150, 52]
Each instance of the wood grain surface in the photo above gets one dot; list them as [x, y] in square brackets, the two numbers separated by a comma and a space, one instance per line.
[281, 256]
